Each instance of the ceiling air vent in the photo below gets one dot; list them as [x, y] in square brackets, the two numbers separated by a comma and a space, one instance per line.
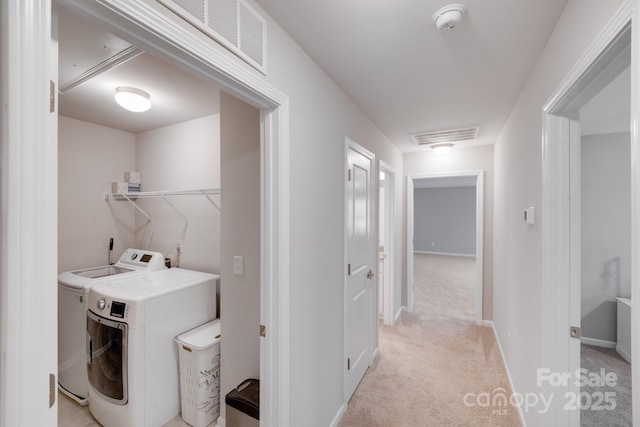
[233, 23]
[437, 137]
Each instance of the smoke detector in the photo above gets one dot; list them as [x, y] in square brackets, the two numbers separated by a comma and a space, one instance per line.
[448, 17]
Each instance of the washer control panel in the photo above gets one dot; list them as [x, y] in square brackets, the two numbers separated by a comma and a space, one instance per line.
[118, 309]
[141, 260]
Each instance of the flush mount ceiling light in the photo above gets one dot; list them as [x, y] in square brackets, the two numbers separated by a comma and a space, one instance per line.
[441, 149]
[448, 17]
[133, 99]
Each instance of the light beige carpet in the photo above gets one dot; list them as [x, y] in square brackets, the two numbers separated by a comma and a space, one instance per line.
[433, 358]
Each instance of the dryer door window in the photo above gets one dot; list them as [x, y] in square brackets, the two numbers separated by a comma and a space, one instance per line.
[107, 357]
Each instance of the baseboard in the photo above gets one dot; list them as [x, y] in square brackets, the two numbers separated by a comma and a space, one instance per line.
[622, 352]
[336, 420]
[490, 324]
[397, 316]
[597, 342]
[375, 353]
[444, 253]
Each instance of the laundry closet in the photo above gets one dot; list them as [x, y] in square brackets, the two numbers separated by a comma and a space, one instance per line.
[197, 148]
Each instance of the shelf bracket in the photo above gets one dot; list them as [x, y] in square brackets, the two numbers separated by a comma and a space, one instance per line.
[136, 206]
[186, 221]
[210, 199]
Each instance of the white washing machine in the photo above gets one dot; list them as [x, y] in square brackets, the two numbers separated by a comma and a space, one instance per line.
[73, 297]
[132, 361]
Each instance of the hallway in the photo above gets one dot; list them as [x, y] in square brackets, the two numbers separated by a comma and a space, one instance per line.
[433, 358]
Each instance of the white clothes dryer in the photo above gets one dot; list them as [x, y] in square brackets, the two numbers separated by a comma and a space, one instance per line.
[132, 361]
[73, 297]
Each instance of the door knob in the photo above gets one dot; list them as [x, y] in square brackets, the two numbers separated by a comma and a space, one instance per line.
[370, 275]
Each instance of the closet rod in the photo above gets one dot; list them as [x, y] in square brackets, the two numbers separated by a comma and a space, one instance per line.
[150, 194]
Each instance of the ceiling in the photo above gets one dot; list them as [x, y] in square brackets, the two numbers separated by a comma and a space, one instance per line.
[176, 96]
[410, 78]
[386, 55]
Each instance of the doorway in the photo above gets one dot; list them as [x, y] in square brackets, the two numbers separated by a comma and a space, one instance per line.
[585, 271]
[143, 26]
[461, 180]
[386, 246]
[604, 191]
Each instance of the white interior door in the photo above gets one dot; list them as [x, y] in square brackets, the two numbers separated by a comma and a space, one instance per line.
[387, 221]
[382, 246]
[360, 249]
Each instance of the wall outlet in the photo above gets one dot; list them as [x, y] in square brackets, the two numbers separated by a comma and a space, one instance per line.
[179, 246]
[238, 265]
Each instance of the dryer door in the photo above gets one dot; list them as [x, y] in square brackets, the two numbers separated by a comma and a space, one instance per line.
[107, 357]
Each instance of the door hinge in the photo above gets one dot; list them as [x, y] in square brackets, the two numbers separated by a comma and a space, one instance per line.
[349, 173]
[348, 269]
[52, 390]
[52, 96]
[574, 332]
[263, 331]
[348, 364]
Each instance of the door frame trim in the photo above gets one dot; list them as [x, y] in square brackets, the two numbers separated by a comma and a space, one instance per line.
[559, 133]
[479, 276]
[29, 188]
[373, 217]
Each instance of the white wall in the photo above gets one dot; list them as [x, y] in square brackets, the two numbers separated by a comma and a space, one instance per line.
[90, 157]
[240, 295]
[518, 309]
[445, 220]
[606, 231]
[458, 160]
[184, 156]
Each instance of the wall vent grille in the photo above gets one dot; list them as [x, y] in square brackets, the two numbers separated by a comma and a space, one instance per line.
[193, 7]
[233, 23]
[438, 137]
[223, 18]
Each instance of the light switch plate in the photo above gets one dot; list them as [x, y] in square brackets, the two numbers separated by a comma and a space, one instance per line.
[238, 265]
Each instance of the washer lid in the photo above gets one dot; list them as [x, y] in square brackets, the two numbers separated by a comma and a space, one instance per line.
[132, 261]
[104, 271]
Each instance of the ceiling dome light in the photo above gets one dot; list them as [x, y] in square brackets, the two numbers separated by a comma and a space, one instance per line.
[448, 17]
[133, 99]
[441, 149]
